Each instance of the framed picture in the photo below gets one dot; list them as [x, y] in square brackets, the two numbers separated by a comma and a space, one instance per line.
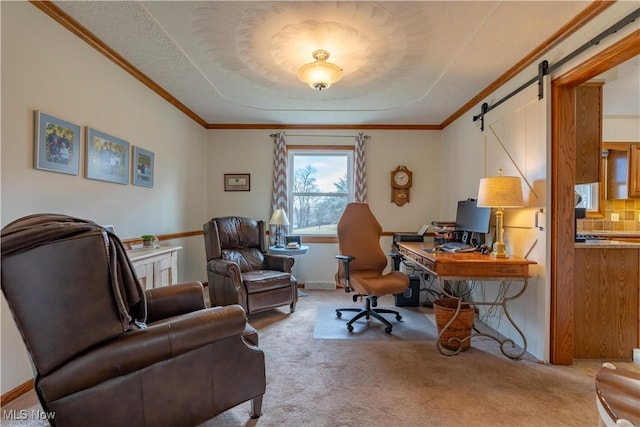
[142, 167]
[107, 157]
[57, 144]
[237, 182]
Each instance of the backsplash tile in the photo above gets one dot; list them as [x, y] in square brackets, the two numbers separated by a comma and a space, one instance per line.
[628, 211]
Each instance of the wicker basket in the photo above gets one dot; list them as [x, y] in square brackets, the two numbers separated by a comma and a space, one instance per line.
[460, 328]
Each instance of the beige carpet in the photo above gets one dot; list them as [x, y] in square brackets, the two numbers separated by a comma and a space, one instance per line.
[414, 325]
[317, 382]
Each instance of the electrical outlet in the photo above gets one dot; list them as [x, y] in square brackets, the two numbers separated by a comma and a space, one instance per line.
[615, 217]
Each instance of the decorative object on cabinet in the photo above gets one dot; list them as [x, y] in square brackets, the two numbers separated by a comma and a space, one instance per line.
[57, 144]
[107, 157]
[237, 182]
[143, 167]
[401, 181]
[500, 192]
[155, 267]
[147, 240]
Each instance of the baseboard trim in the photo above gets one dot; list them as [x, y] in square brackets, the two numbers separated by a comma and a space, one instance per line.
[13, 394]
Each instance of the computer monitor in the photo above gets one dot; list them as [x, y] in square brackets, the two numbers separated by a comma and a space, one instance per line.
[471, 218]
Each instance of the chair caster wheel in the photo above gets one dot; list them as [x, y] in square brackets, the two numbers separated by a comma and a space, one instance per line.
[388, 329]
[398, 317]
[338, 314]
[350, 328]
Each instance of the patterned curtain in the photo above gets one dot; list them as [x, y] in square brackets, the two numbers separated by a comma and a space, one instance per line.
[360, 184]
[279, 192]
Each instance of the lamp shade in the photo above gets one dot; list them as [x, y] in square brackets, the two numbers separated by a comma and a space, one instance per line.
[500, 192]
[279, 217]
[320, 75]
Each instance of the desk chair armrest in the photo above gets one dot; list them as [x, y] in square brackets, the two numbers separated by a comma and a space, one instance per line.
[345, 260]
[396, 258]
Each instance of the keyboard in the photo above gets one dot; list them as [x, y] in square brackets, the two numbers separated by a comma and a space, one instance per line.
[457, 247]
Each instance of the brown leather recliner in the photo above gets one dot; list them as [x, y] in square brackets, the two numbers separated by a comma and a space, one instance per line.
[107, 353]
[239, 269]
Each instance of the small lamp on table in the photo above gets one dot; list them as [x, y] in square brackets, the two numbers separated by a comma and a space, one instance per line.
[500, 192]
[279, 219]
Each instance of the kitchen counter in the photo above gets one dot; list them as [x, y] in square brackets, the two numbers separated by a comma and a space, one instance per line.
[609, 234]
[607, 244]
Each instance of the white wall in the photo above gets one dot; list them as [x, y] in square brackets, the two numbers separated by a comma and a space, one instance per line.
[240, 151]
[45, 67]
[621, 129]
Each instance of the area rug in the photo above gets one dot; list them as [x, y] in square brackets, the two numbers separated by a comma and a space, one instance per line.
[414, 326]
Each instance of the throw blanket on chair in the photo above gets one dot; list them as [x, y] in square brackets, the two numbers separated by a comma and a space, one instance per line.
[35, 230]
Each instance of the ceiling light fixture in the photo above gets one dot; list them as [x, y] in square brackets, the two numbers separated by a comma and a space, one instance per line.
[320, 75]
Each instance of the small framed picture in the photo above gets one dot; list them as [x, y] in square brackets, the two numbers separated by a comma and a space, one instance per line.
[142, 167]
[57, 144]
[237, 182]
[107, 157]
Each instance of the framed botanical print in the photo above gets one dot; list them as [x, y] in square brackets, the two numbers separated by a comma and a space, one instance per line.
[143, 167]
[107, 157]
[57, 144]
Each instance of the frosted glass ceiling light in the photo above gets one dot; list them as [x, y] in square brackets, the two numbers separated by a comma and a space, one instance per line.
[320, 75]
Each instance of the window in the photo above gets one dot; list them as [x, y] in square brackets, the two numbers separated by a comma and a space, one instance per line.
[320, 186]
[589, 194]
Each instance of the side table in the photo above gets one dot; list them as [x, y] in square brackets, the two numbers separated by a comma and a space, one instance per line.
[303, 249]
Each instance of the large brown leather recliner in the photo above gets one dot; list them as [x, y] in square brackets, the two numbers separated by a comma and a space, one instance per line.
[107, 353]
[239, 269]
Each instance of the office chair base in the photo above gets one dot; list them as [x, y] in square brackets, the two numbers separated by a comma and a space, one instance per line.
[368, 312]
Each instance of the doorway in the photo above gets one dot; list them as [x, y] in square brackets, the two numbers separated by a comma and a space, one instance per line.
[563, 149]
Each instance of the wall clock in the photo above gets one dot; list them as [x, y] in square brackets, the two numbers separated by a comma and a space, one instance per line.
[401, 181]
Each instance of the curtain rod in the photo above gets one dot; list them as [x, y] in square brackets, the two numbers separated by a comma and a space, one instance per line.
[323, 136]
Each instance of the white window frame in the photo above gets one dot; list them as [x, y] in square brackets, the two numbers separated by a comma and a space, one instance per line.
[347, 151]
[590, 196]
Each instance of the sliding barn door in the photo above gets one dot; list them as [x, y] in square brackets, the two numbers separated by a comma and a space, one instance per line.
[516, 140]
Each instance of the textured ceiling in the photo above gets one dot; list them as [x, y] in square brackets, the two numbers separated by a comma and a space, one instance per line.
[234, 62]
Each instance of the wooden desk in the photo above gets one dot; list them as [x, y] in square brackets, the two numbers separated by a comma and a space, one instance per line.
[473, 266]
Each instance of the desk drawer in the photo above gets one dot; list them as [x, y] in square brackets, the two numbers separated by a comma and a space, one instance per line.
[483, 270]
[423, 261]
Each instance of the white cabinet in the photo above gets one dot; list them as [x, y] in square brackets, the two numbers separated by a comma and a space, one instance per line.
[155, 267]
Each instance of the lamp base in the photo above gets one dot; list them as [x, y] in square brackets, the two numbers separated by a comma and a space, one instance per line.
[499, 251]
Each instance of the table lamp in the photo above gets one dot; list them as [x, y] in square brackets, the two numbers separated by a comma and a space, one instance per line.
[500, 192]
[279, 218]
